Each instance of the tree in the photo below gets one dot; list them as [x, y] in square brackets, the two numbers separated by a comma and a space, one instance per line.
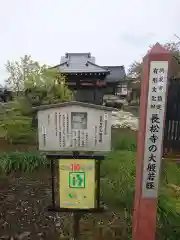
[39, 83]
[135, 68]
[16, 71]
[34, 84]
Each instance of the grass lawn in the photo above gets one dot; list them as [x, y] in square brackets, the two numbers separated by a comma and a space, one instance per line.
[2, 132]
[26, 190]
[26, 193]
[118, 185]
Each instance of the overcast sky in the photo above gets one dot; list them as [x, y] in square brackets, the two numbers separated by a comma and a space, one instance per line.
[116, 32]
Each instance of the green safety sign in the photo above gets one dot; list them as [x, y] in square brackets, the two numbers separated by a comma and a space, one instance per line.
[77, 183]
[77, 180]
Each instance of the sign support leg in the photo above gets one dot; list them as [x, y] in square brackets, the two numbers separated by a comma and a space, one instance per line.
[76, 220]
[52, 183]
[76, 216]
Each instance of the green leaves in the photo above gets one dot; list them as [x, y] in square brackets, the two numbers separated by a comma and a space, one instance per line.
[124, 139]
[34, 84]
[18, 129]
[19, 161]
[135, 68]
[40, 83]
[118, 188]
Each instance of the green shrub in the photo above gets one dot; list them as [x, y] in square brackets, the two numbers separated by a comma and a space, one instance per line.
[19, 161]
[172, 173]
[168, 215]
[19, 130]
[169, 203]
[118, 179]
[15, 124]
[124, 139]
[118, 185]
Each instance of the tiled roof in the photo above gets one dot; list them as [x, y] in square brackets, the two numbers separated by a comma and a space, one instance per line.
[85, 63]
[117, 73]
[80, 62]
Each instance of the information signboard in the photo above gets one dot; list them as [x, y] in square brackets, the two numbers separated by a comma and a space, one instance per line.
[154, 128]
[77, 183]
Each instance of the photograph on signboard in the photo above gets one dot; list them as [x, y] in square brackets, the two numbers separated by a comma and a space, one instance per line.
[79, 120]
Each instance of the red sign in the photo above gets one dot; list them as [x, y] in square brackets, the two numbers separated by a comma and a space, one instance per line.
[86, 84]
[75, 167]
[98, 83]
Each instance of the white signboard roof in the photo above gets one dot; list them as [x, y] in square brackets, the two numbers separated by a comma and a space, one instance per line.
[75, 103]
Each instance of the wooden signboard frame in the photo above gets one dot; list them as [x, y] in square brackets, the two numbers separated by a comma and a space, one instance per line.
[56, 206]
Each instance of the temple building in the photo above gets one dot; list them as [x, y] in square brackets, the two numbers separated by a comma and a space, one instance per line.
[89, 81]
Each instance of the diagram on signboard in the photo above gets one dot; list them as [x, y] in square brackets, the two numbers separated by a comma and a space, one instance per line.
[77, 179]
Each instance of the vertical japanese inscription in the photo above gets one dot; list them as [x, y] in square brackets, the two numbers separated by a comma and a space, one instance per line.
[154, 128]
[60, 133]
[101, 129]
[105, 123]
[44, 135]
[95, 135]
[82, 138]
[55, 121]
[64, 130]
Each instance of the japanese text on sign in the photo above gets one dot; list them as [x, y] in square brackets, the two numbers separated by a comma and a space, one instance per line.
[154, 128]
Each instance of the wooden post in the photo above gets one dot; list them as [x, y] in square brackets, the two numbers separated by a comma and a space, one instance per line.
[150, 135]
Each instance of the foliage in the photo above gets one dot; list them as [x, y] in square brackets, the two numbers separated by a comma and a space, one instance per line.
[16, 126]
[123, 139]
[19, 130]
[16, 71]
[19, 161]
[168, 215]
[47, 87]
[118, 186]
[33, 84]
[135, 68]
[39, 83]
[118, 172]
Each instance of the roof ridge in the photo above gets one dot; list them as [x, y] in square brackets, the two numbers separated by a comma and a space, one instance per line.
[96, 65]
[113, 66]
[76, 54]
[70, 103]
